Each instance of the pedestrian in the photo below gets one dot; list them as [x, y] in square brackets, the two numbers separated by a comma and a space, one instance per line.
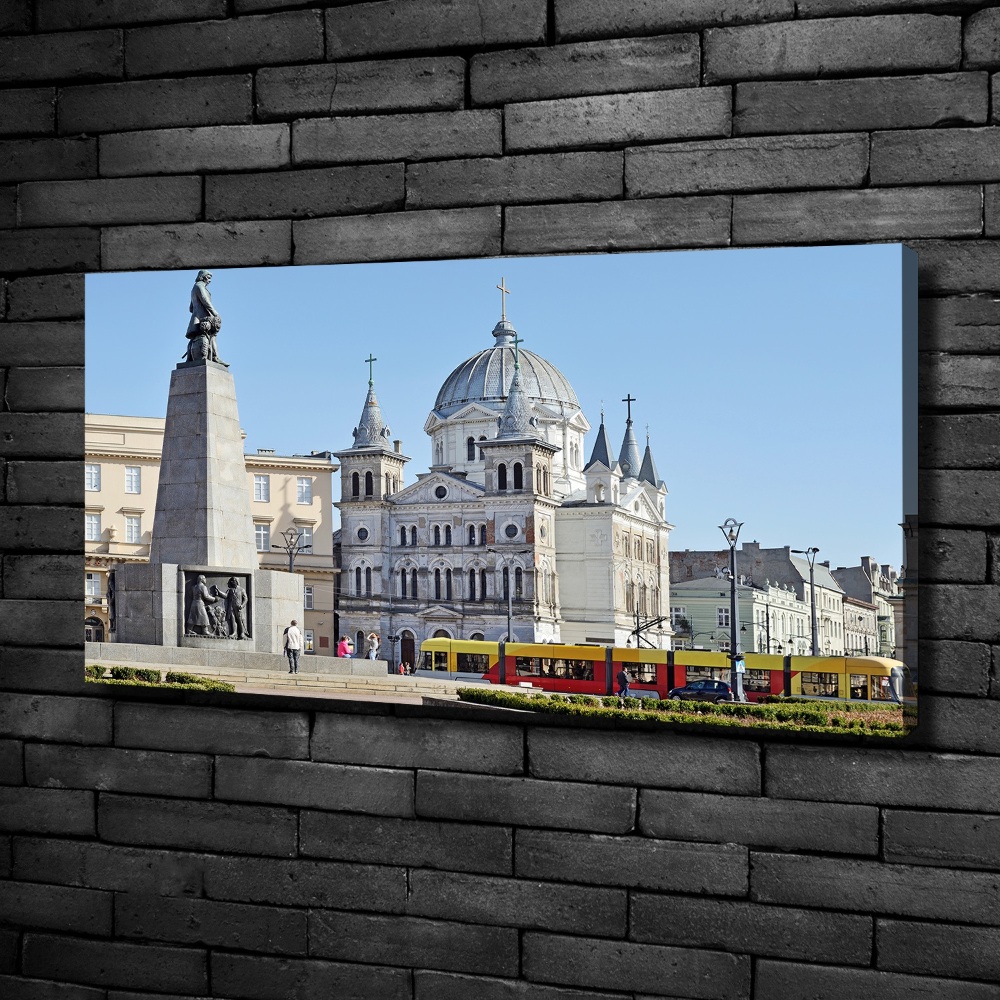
[402, 668]
[293, 646]
[344, 648]
[623, 683]
[372, 646]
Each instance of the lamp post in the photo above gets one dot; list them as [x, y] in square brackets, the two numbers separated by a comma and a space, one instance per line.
[810, 555]
[393, 639]
[730, 528]
[292, 546]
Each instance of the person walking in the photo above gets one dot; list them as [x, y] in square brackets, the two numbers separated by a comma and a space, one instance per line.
[293, 646]
[344, 648]
[623, 683]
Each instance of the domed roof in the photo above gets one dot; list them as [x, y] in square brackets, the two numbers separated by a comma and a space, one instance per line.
[486, 377]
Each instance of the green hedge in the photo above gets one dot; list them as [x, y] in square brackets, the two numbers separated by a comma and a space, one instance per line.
[148, 677]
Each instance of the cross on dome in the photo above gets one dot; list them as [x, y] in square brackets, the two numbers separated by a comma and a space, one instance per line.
[504, 292]
[370, 360]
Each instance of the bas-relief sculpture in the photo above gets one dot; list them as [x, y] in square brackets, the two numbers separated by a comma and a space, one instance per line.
[212, 613]
[205, 323]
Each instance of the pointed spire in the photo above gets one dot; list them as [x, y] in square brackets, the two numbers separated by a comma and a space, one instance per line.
[372, 430]
[648, 473]
[628, 455]
[516, 421]
[602, 453]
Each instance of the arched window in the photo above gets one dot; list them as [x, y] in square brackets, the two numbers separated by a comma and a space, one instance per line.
[413, 538]
[369, 485]
[359, 643]
[518, 583]
[402, 536]
[402, 583]
[470, 449]
[413, 583]
[472, 534]
[501, 476]
[538, 479]
[482, 457]
[545, 481]
[482, 585]
[357, 582]
[437, 585]
[447, 584]
[368, 582]
[355, 485]
[447, 534]
[482, 534]
[437, 534]
[599, 493]
[506, 582]
[518, 476]
[388, 484]
[472, 584]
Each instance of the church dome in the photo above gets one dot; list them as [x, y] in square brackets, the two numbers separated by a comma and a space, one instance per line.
[486, 377]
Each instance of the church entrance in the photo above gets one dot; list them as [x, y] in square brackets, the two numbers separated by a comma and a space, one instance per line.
[407, 648]
[93, 630]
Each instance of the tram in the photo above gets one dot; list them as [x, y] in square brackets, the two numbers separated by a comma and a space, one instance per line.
[654, 673]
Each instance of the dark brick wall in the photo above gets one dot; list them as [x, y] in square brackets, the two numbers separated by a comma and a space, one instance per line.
[241, 848]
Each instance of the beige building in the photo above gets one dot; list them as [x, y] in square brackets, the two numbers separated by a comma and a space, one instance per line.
[289, 493]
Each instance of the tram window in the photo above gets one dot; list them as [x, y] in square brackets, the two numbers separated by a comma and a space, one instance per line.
[757, 681]
[643, 673]
[535, 666]
[859, 686]
[706, 674]
[820, 685]
[436, 660]
[881, 691]
[527, 666]
[473, 662]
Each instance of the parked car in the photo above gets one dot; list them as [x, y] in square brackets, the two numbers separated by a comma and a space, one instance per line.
[702, 691]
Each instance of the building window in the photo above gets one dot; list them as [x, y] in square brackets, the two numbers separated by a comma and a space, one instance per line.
[92, 528]
[368, 581]
[402, 536]
[133, 479]
[518, 476]
[472, 584]
[304, 489]
[388, 484]
[262, 537]
[402, 583]
[357, 581]
[482, 457]
[306, 539]
[678, 615]
[308, 641]
[506, 583]
[413, 582]
[722, 617]
[482, 585]
[447, 584]
[93, 585]
[262, 489]
[447, 534]
[369, 485]
[355, 485]
[470, 449]
[472, 534]
[133, 529]
[518, 583]
[482, 534]
[413, 538]
[93, 478]
[308, 598]
[437, 534]
[501, 476]
[437, 585]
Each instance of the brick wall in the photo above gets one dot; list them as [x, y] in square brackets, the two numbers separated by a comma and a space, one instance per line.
[239, 848]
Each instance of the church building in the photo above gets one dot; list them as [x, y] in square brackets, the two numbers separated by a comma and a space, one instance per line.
[511, 530]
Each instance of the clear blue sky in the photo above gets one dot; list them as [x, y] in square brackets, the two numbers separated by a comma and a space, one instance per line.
[770, 380]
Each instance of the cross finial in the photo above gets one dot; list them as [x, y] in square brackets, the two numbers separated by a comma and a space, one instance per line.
[517, 359]
[602, 411]
[629, 400]
[647, 434]
[370, 361]
[504, 292]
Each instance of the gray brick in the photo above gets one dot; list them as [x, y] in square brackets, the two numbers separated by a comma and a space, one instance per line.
[46, 669]
[699, 763]
[861, 105]
[877, 214]
[960, 324]
[73, 54]
[432, 985]
[34, 389]
[953, 555]
[199, 729]
[40, 623]
[437, 233]
[567, 805]
[982, 38]
[991, 210]
[204, 921]
[415, 843]
[518, 903]
[966, 724]
[206, 826]
[781, 932]
[48, 296]
[617, 119]
[279, 978]
[616, 965]
[191, 150]
[846, 45]
[780, 980]
[747, 165]
[29, 111]
[44, 483]
[157, 104]
[116, 963]
[112, 770]
[958, 611]
[52, 576]
[9, 943]
[367, 29]
[322, 884]
[110, 202]
[27, 250]
[54, 15]
[231, 244]
[954, 441]
[431, 84]
[233, 43]
[28, 529]
[69, 720]
[305, 193]
[596, 19]
[414, 941]
[950, 950]
[15, 17]
[46, 810]
[958, 266]
[882, 777]
[872, 886]
[11, 762]
[650, 224]
[380, 741]
[961, 840]
[515, 179]
[585, 68]
[8, 207]
[761, 822]
[936, 156]
[55, 908]
[955, 668]
[635, 862]
[396, 137]
[17, 988]
[824, 8]
[104, 866]
[318, 786]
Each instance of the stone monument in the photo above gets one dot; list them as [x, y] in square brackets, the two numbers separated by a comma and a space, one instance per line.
[202, 587]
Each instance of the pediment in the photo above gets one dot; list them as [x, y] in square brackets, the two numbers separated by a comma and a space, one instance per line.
[438, 612]
[647, 509]
[422, 491]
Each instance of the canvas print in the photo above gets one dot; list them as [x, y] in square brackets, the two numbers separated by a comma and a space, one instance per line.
[669, 487]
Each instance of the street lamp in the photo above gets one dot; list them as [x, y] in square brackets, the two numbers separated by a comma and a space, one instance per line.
[393, 639]
[810, 555]
[293, 546]
[730, 528]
